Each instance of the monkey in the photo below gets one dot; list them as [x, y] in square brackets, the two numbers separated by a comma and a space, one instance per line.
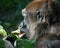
[42, 19]
[31, 18]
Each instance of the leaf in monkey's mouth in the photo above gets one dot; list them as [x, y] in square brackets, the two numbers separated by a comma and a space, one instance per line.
[18, 33]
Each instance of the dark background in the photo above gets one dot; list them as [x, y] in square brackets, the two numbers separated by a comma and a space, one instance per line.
[10, 13]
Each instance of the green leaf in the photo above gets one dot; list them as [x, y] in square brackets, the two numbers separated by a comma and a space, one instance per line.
[3, 32]
[1, 27]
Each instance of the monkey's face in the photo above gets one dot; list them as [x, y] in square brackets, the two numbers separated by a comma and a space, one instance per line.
[35, 13]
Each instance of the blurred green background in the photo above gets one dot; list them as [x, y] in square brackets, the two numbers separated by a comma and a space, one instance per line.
[10, 13]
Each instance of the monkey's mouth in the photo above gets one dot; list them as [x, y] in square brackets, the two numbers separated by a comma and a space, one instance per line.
[19, 34]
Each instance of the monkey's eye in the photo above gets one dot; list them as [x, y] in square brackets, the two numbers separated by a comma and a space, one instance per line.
[38, 16]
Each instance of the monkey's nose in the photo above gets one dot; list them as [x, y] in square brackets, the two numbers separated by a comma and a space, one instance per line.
[24, 13]
[23, 26]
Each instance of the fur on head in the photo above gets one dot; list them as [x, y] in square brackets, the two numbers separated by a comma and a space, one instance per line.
[39, 12]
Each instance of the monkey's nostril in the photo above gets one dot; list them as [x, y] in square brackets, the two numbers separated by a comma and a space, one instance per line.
[24, 12]
[22, 25]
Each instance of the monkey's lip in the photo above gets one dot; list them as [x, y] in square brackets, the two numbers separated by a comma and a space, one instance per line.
[21, 34]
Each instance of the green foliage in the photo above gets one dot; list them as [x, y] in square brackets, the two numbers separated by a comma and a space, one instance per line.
[3, 33]
[24, 43]
[14, 36]
[8, 5]
[2, 45]
[1, 27]
[7, 24]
